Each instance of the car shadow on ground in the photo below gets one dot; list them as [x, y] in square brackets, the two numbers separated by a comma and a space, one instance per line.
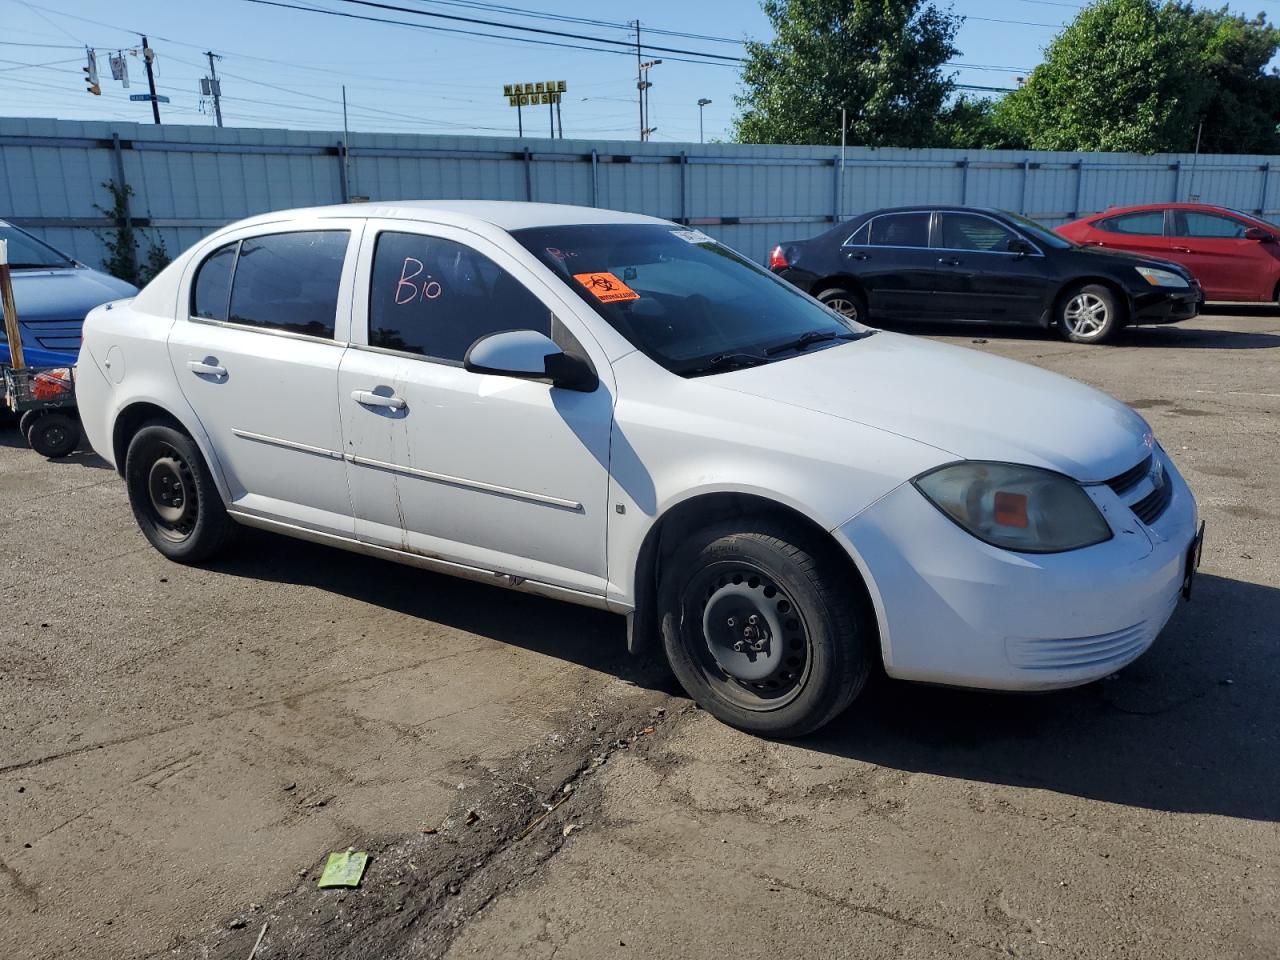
[1191, 727]
[591, 638]
[1170, 335]
[82, 456]
[1266, 310]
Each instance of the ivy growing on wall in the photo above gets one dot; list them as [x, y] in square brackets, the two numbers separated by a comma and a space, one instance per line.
[121, 241]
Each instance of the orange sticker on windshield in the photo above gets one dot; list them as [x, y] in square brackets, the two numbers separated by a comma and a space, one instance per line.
[606, 287]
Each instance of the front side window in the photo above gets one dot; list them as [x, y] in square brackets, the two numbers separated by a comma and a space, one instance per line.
[436, 297]
[690, 304]
[900, 230]
[1192, 223]
[1149, 223]
[964, 231]
[211, 293]
[289, 281]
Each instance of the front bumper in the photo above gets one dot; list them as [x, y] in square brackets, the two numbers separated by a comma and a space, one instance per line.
[1158, 305]
[954, 610]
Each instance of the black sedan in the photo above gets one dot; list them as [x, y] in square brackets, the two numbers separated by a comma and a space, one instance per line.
[961, 263]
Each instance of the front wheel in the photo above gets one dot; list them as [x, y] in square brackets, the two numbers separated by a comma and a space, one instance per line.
[173, 495]
[1088, 314]
[761, 628]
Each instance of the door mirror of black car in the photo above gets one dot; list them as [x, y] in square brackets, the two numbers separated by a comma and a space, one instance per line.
[1262, 236]
[1021, 247]
[529, 355]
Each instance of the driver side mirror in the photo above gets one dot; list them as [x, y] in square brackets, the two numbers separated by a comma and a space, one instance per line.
[1262, 236]
[529, 355]
[1021, 247]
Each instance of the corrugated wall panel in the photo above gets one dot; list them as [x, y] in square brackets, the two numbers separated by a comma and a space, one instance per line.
[189, 179]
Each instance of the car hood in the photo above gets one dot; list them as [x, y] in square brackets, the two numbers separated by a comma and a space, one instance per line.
[64, 293]
[1133, 259]
[971, 405]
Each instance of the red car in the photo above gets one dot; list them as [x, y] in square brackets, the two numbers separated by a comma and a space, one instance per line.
[1235, 256]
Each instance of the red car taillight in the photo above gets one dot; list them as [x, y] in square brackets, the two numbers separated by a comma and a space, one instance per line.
[777, 259]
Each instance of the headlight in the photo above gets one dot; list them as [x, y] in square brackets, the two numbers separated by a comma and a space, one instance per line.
[1161, 278]
[1015, 507]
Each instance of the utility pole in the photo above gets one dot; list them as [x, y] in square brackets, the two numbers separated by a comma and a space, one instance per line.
[639, 81]
[214, 87]
[148, 55]
[701, 103]
[346, 143]
[844, 126]
[645, 84]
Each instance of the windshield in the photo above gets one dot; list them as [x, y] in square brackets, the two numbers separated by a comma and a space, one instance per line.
[1039, 231]
[686, 301]
[26, 251]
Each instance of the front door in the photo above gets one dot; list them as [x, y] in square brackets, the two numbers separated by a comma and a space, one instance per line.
[1228, 265]
[980, 277]
[490, 472]
[257, 358]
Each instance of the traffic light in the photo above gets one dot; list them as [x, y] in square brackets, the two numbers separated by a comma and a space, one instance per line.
[91, 73]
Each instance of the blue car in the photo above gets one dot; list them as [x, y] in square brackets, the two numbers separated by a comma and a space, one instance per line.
[52, 293]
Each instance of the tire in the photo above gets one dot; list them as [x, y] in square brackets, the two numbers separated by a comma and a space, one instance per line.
[53, 434]
[173, 496]
[810, 657]
[26, 419]
[848, 303]
[1088, 313]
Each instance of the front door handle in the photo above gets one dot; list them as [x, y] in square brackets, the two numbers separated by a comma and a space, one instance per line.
[371, 399]
[949, 261]
[208, 367]
[1182, 249]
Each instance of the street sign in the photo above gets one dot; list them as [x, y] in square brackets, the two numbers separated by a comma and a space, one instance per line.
[146, 97]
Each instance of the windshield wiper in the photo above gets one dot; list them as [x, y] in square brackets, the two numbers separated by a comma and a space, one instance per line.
[809, 339]
[724, 362]
[38, 266]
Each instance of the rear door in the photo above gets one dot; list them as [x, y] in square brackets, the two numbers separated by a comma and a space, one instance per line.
[256, 354]
[1142, 232]
[1213, 247]
[892, 258]
[979, 277]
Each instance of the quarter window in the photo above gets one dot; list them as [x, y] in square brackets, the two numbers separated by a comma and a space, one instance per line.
[212, 290]
[435, 297]
[900, 230]
[1194, 224]
[964, 231]
[289, 281]
[1149, 223]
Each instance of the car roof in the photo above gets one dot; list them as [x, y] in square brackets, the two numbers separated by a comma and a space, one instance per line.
[1141, 207]
[504, 214]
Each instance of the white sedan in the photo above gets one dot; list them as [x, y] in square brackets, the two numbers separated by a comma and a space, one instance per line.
[619, 411]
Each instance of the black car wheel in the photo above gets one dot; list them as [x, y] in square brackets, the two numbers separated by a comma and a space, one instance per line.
[846, 302]
[173, 495]
[53, 434]
[1088, 314]
[762, 630]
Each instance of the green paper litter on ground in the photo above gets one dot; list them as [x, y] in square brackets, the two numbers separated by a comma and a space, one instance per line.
[343, 869]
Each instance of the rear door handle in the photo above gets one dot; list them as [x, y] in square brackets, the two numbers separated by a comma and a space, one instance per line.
[1182, 249]
[949, 261]
[371, 399]
[205, 369]
[860, 256]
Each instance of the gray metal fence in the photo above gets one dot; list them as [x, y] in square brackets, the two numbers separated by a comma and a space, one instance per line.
[189, 180]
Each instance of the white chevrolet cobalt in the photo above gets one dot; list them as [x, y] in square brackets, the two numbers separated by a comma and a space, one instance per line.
[619, 411]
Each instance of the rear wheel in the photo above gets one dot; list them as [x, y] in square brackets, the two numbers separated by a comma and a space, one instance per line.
[1088, 314]
[846, 302]
[173, 495]
[53, 434]
[761, 628]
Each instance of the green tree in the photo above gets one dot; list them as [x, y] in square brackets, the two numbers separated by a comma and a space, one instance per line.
[1134, 75]
[880, 59]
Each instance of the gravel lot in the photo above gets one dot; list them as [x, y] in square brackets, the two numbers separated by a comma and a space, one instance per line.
[180, 747]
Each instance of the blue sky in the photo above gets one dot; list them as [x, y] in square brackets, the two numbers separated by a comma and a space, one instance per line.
[285, 67]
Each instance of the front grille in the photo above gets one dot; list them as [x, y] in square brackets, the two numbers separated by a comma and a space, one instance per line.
[1149, 508]
[1131, 477]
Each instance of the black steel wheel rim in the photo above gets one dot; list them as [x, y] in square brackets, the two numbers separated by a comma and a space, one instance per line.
[171, 494]
[54, 436]
[747, 635]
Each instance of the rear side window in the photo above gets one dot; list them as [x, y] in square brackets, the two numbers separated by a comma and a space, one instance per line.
[211, 294]
[964, 231]
[900, 230]
[859, 238]
[1193, 224]
[435, 297]
[289, 281]
[1149, 223]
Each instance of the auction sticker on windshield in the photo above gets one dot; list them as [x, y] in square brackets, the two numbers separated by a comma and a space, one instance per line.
[606, 287]
[693, 236]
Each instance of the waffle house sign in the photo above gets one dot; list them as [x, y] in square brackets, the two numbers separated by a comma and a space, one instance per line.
[533, 94]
